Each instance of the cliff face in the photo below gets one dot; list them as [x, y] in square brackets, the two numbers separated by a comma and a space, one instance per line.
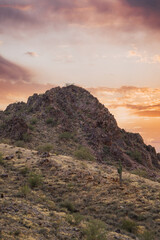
[69, 117]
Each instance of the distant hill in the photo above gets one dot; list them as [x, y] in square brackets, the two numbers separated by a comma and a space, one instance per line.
[69, 121]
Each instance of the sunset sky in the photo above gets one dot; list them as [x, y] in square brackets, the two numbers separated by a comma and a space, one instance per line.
[110, 47]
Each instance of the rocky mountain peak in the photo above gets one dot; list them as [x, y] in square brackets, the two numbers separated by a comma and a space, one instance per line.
[68, 118]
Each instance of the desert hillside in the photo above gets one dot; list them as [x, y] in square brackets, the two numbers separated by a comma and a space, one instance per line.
[51, 196]
[69, 119]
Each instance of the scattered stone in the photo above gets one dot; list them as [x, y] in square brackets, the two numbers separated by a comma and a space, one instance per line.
[9, 157]
[4, 175]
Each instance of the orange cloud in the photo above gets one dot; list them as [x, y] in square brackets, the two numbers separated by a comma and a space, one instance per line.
[153, 113]
[140, 101]
[19, 91]
[136, 109]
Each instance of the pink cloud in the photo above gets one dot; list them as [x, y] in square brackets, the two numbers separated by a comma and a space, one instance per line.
[12, 72]
[119, 15]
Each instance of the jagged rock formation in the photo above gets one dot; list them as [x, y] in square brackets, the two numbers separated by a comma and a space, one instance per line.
[68, 117]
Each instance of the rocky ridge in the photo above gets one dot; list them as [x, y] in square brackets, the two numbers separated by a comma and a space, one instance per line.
[70, 117]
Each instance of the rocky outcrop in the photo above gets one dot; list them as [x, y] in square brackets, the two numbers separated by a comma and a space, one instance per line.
[70, 116]
[15, 128]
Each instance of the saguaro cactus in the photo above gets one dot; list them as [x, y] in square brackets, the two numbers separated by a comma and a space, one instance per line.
[119, 170]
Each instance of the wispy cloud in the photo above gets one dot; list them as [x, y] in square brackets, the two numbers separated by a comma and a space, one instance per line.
[118, 15]
[32, 54]
[66, 58]
[12, 72]
[16, 83]
[22, 7]
[141, 101]
[143, 56]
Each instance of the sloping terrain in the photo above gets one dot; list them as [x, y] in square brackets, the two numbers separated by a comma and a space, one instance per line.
[49, 196]
[70, 118]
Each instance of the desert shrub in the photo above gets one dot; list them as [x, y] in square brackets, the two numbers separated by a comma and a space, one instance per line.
[70, 219]
[33, 121]
[147, 235]
[140, 172]
[66, 136]
[6, 141]
[95, 230]
[136, 155]
[24, 171]
[17, 233]
[83, 153]
[27, 137]
[2, 126]
[129, 225]
[78, 218]
[24, 191]
[49, 109]
[106, 149]
[74, 219]
[44, 232]
[1, 159]
[30, 109]
[45, 148]
[34, 180]
[68, 205]
[51, 122]
[19, 143]
[31, 127]
[6, 112]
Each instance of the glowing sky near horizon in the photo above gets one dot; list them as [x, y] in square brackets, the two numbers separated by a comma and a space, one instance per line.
[110, 47]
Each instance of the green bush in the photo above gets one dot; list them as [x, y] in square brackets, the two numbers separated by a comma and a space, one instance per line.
[66, 136]
[24, 171]
[69, 205]
[30, 126]
[45, 148]
[51, 122]
[27, 137]
[33, 121]
[49, 109]
[75, 218]
[19, 143]
[95, 230]
[24, 191]
[34, 180]
[106, 149]
[2, 125]
[17, 233]
[78, 218]
[83, 153]
[129, 225]
[70, 219]
[136, 155]
[147, 235]
[1, 159]
[6, 141]
[141, 173]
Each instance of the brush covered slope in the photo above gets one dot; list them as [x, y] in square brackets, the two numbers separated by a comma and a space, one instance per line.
[70, 119]
[63, 198]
